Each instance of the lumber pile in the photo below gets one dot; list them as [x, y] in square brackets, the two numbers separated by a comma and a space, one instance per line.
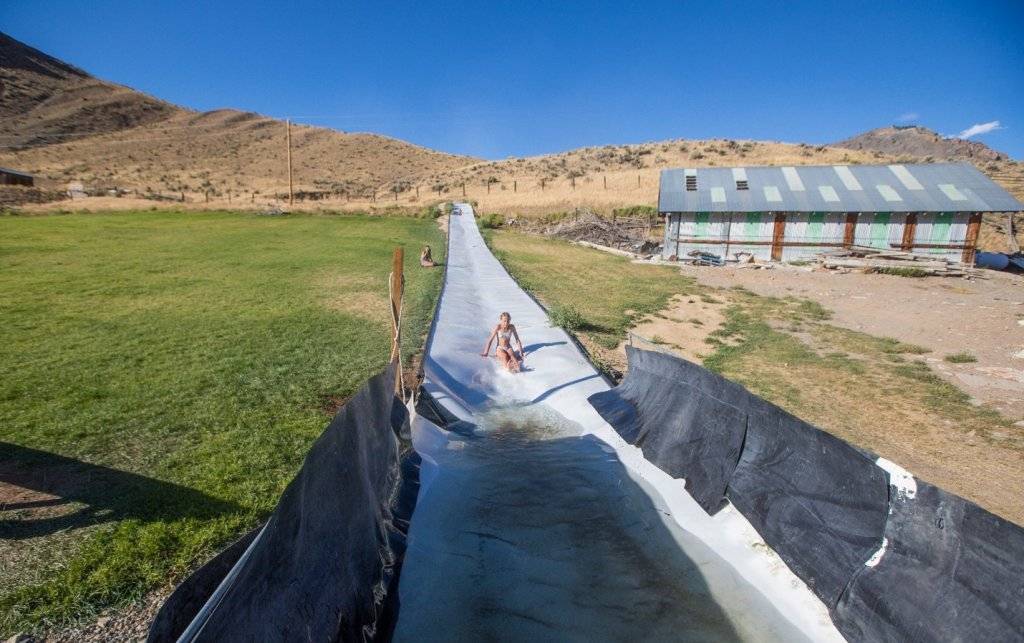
[864, 259]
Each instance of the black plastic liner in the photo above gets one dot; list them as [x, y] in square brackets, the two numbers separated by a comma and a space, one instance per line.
[684, 431]
[817, 501]
[326, 565]
[949, 569]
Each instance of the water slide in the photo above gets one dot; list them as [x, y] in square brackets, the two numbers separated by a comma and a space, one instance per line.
[548, 505]
[535, 520]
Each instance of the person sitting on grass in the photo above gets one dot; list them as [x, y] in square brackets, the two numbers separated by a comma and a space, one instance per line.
[504, 332]
[425, 259]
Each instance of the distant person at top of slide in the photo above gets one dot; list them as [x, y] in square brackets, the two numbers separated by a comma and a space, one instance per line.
[504, 332]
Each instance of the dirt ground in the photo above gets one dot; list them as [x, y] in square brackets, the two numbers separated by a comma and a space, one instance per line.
[983, 317]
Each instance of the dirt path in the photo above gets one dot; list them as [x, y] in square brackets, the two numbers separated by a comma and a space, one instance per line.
[983, 317]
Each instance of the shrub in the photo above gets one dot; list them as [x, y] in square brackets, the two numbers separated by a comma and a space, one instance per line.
[635, 211]
[902, 272]
[492, 220]
[567, 317]
[961, 358]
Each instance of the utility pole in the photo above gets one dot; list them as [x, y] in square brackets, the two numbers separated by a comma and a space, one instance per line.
[291, 192]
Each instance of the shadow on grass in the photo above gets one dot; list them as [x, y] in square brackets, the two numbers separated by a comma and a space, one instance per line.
[43, 489]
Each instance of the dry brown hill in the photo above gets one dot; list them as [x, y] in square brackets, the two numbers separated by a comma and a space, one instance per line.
[921, 143]
[60, 123]
[44, 100]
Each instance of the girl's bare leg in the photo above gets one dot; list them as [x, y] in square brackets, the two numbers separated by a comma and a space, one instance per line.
[507, 360]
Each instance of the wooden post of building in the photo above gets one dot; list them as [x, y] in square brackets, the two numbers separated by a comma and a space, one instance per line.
[971, 240]
[291, 193]
[850, 230]
[778, 236]
[396, 287]
[909, 230]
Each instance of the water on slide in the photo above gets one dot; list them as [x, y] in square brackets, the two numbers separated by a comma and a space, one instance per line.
[536, 522]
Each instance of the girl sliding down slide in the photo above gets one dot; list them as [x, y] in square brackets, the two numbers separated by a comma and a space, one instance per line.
[504, 332]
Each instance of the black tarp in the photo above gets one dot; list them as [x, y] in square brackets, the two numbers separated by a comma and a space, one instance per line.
[326, 566]
[951, 571]
[817, 501]
[685, 431]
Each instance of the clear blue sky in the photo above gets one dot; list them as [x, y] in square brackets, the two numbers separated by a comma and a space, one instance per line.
[534, 77]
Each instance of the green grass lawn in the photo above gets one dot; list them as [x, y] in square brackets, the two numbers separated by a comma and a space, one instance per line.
[166, 373]
[875, 392]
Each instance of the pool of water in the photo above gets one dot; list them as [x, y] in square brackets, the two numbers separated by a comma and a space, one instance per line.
[529, 529]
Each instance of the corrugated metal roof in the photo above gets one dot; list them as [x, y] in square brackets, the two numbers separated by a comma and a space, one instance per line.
[937, 187]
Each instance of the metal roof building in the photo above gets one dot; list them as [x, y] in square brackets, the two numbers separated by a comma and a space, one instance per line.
[786, 213]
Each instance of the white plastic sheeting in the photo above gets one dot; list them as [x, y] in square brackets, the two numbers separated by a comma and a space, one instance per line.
[537, 521]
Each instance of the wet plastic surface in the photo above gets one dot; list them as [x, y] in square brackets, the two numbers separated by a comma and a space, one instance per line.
[530, 530]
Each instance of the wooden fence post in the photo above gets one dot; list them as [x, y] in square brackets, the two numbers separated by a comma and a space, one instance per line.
[638, 180]
[396, 287]
[515, 186]
[605, 182]
[573, 179]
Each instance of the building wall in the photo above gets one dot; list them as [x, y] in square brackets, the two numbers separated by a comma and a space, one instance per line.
[727, 234]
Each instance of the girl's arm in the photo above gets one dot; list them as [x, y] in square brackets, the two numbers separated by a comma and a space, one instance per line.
[515, 334]
[487, 349]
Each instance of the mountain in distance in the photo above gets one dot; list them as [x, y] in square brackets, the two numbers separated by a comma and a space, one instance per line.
[921, 143]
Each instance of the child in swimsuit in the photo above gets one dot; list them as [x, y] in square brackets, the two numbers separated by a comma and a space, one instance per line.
[504, 332]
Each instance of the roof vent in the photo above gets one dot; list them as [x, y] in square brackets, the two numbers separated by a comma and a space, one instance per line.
[739, 175]
[691, 180]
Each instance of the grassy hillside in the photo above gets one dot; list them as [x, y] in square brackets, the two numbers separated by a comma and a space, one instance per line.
[161, 378]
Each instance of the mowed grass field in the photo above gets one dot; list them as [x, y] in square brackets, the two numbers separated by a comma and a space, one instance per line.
[162, 376]
[874, 392]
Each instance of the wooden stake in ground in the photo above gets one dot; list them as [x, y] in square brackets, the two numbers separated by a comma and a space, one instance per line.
[291, 193]
[396, 288]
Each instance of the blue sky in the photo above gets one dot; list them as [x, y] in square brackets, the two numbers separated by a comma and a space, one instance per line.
[535, 77]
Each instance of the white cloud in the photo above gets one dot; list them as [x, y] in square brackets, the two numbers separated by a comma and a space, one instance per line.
[980, 128]
[908, 116]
